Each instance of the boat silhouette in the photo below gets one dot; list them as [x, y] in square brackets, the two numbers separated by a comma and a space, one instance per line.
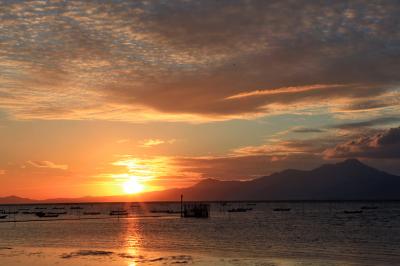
[238, 210]
[369, 207]
[118, 212]
[353, 212]
[282, 209]
[43, 214]
[91, 213]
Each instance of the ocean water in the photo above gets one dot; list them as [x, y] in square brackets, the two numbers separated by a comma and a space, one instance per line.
[311, 233]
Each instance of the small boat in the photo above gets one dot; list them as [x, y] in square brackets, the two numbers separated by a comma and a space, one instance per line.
[353, 212]
[11, 212]
[369, 207]
[43, 214]
[282, 209]
[40, 208]
[76, 208]
[165, 211]
[27, 212]
[238, 210]
[58, 213]
[251, 204]
[118, 212]
[91, 213]
[58, 208]
[3, 216]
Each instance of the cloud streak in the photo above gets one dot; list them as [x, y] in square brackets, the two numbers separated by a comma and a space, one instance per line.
[47, 164]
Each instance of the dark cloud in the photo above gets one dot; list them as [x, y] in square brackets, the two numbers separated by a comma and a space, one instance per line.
[369, 123]
[365, 105]
[307, 130]
[383, 145]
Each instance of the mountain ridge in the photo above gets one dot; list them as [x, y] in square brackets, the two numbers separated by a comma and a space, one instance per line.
[346, 180]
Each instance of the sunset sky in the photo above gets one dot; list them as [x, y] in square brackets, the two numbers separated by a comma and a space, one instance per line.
[117, 97]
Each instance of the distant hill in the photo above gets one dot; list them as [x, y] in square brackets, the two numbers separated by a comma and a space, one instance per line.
[15, 200]
[347, 180]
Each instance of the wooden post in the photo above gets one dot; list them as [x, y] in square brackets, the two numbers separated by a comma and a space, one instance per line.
[181, 205]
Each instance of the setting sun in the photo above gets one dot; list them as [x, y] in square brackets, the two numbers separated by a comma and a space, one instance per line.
[132, 186]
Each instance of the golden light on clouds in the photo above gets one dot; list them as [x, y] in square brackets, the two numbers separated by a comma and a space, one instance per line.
[148, 143]
[293, 89]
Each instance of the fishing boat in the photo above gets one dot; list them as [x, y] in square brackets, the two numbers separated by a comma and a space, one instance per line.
[369, 207]
[118, 213]
[353, 212]
[91, 213]
[46, 215]
[58, 213]
[165, 211]
[238, 210]
[3, 216]
[11, 212]
[282, 209]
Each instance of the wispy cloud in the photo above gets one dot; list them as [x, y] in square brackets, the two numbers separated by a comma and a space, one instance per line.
[368, 123]
[122, 141]
[47, 164]
[294, 89]
[148, 143]
[307, 130]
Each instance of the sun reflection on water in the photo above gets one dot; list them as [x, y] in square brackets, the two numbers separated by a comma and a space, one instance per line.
[132, 242]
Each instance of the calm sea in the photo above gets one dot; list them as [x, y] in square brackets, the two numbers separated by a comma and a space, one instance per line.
[310, 233]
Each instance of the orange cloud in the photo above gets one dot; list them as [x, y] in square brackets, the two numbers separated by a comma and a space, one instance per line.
[148, 143]
[294, 89]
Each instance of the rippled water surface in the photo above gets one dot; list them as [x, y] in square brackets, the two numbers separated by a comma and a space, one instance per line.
[328, 233]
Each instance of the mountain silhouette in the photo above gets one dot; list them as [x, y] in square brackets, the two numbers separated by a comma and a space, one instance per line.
[347, 180]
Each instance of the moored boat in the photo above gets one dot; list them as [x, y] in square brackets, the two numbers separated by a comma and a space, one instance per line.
[118, 213]
[353, 212]
[369, 207]
[91, 213]
[282, 209]
[46, 215]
